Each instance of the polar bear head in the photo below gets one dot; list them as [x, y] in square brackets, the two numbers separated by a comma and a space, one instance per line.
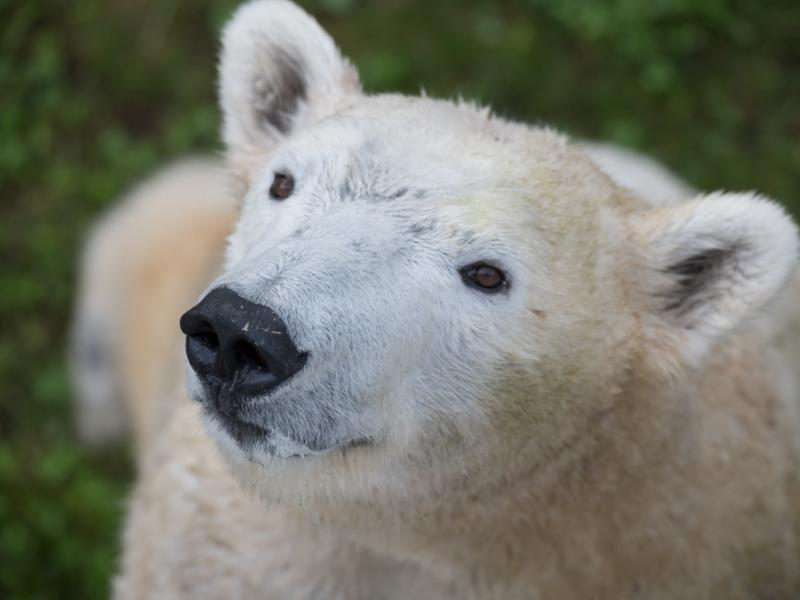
[420, 295]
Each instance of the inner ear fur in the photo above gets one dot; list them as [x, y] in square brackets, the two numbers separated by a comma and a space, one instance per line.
[279, 71]
[709, 265]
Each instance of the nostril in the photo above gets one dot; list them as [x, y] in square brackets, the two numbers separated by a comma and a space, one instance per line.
[202, 356]
[208, 339]
[248, 357]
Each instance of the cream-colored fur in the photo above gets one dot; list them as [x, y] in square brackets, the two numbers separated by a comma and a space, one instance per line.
[623, 424]
[192, 532]
[142, 264]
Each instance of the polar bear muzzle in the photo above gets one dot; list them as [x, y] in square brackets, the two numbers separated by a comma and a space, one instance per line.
[239, 350]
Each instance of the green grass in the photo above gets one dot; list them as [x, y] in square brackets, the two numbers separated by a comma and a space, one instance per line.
[95, 93]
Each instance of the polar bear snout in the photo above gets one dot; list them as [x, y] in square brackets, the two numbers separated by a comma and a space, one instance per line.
[238, 347]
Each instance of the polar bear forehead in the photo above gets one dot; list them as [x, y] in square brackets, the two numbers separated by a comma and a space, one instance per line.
[403, 146]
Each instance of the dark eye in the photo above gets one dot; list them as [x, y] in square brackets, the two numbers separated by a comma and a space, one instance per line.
[282, 186]
[484, 277]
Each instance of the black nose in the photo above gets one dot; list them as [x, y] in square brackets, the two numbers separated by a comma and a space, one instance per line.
[239, 344]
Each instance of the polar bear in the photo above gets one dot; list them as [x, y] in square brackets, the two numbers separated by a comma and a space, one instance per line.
[453, 355]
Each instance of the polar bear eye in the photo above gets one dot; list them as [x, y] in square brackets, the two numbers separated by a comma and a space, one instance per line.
[282, 186]
[485, 277]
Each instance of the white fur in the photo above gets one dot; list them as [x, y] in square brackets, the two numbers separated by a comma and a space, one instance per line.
[613, 423]
[763, 250]
[393, 196]
[642, 175]
[248, 72]
[375, 172]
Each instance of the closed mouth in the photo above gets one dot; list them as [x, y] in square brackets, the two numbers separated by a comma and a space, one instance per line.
[242, 431]
[249, 435]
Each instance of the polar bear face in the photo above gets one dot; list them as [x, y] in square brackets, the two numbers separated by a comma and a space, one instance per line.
[438, 292]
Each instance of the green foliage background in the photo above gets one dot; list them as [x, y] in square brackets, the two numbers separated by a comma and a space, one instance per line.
[95, 93]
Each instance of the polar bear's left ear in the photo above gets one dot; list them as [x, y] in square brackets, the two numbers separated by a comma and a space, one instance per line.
[709, 265]
[279, 71]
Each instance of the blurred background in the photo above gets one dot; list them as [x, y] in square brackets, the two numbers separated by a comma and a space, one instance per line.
[96, 93]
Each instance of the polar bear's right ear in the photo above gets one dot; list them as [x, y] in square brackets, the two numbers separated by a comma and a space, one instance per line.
[279, 71]
[707, 266]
